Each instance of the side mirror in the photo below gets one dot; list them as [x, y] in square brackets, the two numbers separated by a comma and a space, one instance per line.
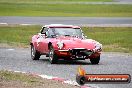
[41, 35]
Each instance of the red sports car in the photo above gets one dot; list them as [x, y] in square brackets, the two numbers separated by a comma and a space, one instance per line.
[58, 41]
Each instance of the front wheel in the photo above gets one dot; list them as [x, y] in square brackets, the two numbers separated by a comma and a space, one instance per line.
[95, 60]
[35, 55]
[52, 56]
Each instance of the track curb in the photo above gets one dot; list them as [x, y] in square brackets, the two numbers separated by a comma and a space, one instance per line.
[61, 80]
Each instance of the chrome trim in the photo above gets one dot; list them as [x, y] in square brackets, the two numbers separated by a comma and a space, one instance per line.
[63, 50]
[78, 48]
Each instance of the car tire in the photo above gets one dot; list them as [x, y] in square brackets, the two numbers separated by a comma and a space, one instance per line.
[95, 60]
[35, 55]
[52, 56]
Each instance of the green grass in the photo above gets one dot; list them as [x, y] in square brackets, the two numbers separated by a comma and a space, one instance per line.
[43, 1]
[113, 39]
[17, 35]
[9, 79]
[27, 79]
[117, 39]
[75, 10]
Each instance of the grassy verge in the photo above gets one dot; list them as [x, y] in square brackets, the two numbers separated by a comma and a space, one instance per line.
[117, 39]
[43, 1]
[28, 79]
[76, 10]
[19, 80]
[17, 35]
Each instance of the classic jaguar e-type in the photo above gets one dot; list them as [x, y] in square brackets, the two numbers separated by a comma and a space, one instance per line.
[66, 42]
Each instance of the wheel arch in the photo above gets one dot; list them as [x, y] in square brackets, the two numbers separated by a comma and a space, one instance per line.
[31, 43]
[49, 44]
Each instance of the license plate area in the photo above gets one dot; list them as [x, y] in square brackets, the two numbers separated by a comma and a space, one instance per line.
[77, 53]
[81, 53]
[77, 57]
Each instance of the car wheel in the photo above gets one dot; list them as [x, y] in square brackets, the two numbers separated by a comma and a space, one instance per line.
[95, 60]
[35, 55]
[52, 56]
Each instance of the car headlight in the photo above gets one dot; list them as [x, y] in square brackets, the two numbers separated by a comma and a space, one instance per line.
[98, 46]
[60, 44]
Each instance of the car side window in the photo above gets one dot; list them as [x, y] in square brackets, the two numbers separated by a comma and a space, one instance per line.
[50, 33]
[44, 29]
[46, 32]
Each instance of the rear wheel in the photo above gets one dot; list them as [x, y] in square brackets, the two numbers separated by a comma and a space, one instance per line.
[52, 56]
[95, 60]
[35, 55]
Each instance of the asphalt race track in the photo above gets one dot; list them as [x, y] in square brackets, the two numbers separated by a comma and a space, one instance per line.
[111, 63]
[81, 21]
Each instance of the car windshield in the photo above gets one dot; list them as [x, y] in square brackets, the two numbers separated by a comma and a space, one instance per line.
[67, 32]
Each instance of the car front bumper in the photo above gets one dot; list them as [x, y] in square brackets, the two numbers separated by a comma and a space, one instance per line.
[77, 53]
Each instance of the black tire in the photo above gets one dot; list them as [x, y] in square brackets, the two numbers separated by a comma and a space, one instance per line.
[52, 56]
[95, 60]
[35, 55]
[80, 80]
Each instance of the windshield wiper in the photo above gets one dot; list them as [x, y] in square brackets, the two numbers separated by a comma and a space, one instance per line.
[53, 36]
[75, 36]
[67, 35]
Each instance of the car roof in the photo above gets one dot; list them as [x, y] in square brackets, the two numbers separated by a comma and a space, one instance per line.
[60, 26]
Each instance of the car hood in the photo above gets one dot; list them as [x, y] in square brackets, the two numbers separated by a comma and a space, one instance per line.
[73, 42]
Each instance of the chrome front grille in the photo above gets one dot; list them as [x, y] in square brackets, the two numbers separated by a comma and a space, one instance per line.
[81, 52]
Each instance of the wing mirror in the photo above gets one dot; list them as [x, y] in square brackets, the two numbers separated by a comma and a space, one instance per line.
[39, 33]
[42, 35]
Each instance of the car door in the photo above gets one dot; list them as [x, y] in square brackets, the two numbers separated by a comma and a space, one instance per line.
[43, 43]
[40, 40]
